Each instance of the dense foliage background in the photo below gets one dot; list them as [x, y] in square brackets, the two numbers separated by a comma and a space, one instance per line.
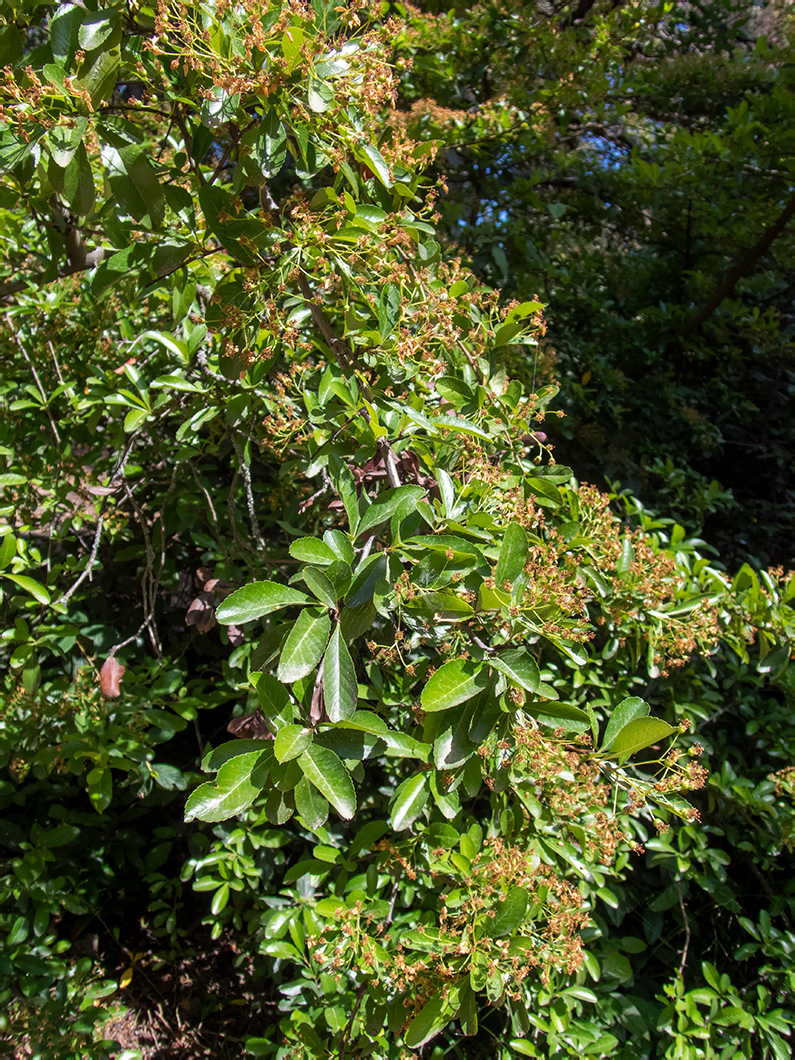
[354, 703]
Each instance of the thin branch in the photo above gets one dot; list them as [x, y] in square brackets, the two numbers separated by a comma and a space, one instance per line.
[40, 388]
[741, 269]
[98, 532]
[245, 473]
[390, 462]
[687, 928]
[338, 347]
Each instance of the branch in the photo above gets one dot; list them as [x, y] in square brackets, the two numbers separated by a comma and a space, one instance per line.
[741, 269]
[338, 347]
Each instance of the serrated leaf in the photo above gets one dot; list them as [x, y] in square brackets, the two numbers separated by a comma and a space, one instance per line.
[238, 783]
[639, 734]
[291, 741]
[519, 665]
[373, 158]
[509, 914]
[453, 683]
[310, 804]
[319, 584]
[339, 679]
[256, 600]
[304, 646]
[409, 801]
[627, 710]
[325, 770]
[30, 585]
[432, 1018]
[386, 504]
[312, 550]
[551, 709]
[513, 555]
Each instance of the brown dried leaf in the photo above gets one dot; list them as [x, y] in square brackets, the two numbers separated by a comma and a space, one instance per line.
[201, 613]
[250, 727]
[109, 677]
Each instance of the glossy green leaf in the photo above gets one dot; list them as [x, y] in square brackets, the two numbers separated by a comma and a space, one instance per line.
[310, 804]
[256, 600]
[135, 184]
[509, 913]
[409, 801]
[339, 679]
[639, 734]
[30, 585]
[517, 664]
[386, 504]
[627, 710]
[432, 1018]
[513, 555]
[324, 769]
[238, 783]
[453, 683]
[373, 158]
[312, 550]
[320, 585]
[291, 741]
[304, 646]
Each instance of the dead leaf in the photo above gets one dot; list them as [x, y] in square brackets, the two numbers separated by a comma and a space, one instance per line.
[109, 677]
[201, 613]
[250, 727]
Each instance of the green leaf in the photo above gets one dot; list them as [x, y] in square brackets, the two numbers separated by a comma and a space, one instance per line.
[626, 711]
[96, 28]
[409, 801]
[304, 646]
[340, 545]
[386, 504]
[291, 741]
[513, 555]
[373, 158]
[134, 183]
[100, 787]
[319, 584]
[324, 769]
[8, 549]
[29, 585]
[551, 709]
[339, 679]
[345, 486]
[448, 605]
[312, 550]
[639, 734]
[453, 683]
[257, 599]
[310, 804]
[509, 914]
[519, 665]
[238, 783]
[269, 150]
[432, 1018]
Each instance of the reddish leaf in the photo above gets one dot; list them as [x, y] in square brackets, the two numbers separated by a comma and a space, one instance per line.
[109, 677]
[250, 727]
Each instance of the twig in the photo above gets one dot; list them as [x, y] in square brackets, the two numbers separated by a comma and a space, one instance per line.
[359, 996]
[98, 532]
[39, 387]
[55, 362]
[149, 582]
[245, 473]
[390, 462]
[687, 928]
